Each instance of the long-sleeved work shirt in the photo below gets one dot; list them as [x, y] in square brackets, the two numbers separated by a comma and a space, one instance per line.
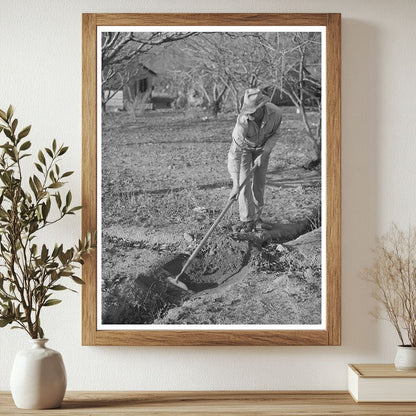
[247, 135]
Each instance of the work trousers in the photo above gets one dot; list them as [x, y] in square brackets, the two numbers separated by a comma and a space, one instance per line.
[251, 199]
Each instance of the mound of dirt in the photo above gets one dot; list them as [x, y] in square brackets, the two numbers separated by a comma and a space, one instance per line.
[222, 257]
[287, 291]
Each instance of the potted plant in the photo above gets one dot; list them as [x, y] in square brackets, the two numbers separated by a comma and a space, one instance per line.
[393, 277]
[32, 273]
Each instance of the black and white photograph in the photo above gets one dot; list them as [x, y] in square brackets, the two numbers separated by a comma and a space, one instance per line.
[211, 159]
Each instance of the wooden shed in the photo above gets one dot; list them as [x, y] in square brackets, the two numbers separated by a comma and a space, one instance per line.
[139, 85]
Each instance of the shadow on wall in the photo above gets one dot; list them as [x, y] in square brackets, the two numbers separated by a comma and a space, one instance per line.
[360, 180]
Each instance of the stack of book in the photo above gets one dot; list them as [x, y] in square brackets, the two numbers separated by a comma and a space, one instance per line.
[381, 383]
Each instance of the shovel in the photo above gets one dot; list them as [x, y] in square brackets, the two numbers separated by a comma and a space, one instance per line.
[175, 280]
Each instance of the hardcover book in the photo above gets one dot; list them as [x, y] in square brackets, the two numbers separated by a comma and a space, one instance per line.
[381, 383]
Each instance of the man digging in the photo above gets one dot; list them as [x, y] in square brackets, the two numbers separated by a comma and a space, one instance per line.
[254, 136]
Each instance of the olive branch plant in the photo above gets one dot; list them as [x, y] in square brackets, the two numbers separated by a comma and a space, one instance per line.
[393, 277]
[30, 273]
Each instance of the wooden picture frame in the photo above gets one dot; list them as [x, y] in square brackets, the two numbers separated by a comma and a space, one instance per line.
[331, 334]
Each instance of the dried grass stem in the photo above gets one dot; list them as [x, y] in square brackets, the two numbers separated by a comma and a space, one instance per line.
[393, 276]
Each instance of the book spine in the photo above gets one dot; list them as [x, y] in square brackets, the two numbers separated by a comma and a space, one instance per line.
[353, 381]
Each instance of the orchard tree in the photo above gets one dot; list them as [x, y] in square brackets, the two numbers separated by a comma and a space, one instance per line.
[119, 49]
[293, 67]
[221, 65]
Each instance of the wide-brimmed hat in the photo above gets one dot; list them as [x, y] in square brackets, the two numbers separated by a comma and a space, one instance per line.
[253, 100]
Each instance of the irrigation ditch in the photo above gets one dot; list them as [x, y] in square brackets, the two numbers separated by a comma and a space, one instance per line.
[229, 260]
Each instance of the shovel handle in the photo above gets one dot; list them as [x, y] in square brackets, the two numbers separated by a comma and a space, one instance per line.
[214, 225]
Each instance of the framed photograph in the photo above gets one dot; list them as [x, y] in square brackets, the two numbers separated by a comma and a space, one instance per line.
[211, 172]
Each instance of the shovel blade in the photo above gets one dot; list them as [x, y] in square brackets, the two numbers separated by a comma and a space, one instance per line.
[177, 283]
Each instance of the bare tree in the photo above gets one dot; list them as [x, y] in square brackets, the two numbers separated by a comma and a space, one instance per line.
[214, 67]
[393, 277]
[225, 64]
[222, 65]
[293, 66]
[119, 49]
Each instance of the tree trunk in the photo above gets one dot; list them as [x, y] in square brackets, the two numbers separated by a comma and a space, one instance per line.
[313, 140]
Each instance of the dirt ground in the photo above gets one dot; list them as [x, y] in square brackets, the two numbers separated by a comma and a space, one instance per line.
[164, 181]
[279, 285]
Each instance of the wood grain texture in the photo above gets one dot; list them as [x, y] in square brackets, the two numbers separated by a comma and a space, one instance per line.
[333, 205]
[211, 19]
[212, 338]
[89, 173]
[330, 336]
[263, 403]
[380, 371]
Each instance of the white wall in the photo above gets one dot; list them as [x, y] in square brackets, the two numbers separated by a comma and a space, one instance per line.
[40, 73]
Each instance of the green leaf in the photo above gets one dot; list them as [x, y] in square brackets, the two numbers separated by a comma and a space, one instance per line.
[33, 227]
[14, 125]
[39, 167]
[3, 115]
[54, 145]
[59, 287]
[62, 257]
[56, 185]
[76, 279]
[58, 199]
[44, 253]
[34, 249]
[72, 210]
[37, 183]
[63, 150]
[67, 174]
[33, 187]
[10, 112]
[51, 302]
[45, 211]
[68, 199]
[54, 276]
[24, 132]
[5, 321]
[8, 133]
[40, 332]
[55, 251]
[41, 157]
[25, 145]
[49, 152]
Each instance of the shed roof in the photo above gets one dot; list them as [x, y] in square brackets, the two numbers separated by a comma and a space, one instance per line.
[117, 83]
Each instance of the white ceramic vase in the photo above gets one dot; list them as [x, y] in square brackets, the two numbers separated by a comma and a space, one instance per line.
[38, 378]
[405, 358]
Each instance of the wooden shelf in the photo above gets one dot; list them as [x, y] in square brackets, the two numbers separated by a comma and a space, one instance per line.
[318, 403]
